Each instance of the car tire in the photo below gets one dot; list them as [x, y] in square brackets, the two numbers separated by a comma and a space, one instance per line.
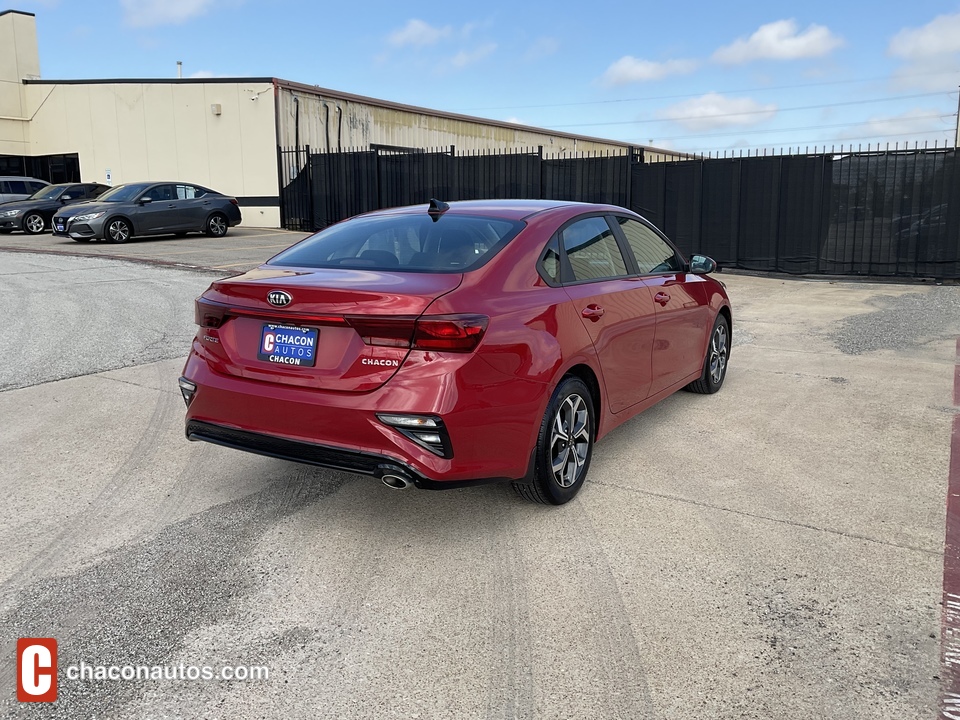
[34, 224]
[715, 361]
[217, 225]
[118, 230]
[564, 446]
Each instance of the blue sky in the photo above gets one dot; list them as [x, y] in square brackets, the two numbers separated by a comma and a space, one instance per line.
[703, 76]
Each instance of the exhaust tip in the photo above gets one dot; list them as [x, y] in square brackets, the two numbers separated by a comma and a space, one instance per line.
[397, 482]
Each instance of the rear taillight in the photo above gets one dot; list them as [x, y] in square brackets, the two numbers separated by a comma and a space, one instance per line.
[233, 201]
[449, 333]
[209, 314]
[442, 333]
[384, 331]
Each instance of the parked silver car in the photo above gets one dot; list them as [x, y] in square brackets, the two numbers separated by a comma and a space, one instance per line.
[13, 187]
[155, 208]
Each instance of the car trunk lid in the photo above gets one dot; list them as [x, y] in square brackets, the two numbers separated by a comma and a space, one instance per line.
[346, 330]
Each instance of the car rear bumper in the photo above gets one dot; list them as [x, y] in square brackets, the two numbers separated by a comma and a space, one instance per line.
[355, 461]
[491, 440]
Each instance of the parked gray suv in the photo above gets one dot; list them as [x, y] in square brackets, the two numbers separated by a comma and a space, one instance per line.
[13, 187]
[157, 208]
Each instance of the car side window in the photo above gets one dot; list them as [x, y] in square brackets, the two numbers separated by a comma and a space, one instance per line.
[32, 187]
[94, 191]
[76, 192]
[187, 192]
[653, 255]
[592, 250]
[160, 193]
[19, 187]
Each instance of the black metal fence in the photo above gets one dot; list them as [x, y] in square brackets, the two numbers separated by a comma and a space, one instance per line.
[885, 213]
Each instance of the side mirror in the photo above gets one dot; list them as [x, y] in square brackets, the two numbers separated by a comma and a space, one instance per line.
[702, 265]
[145, 200]
[64, 198]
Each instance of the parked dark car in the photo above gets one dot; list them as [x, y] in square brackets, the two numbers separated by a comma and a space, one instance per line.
[157, 208]
[457, 343]
[35, 214]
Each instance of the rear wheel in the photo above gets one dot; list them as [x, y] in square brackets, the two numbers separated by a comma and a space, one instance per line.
[217, 225]
[118, 230]
[564, 446]
[33, 224]
[715, 363]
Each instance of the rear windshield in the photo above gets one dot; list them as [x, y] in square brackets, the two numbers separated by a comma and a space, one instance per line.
[411, 243]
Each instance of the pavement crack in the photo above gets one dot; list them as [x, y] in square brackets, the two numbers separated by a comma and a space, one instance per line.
[782, 521]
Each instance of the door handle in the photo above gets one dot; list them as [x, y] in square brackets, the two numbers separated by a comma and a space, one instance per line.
[662, 298]
[171, 205]
[593, 311]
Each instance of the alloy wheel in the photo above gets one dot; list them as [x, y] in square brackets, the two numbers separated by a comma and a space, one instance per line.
[34, 224]
[569, 440]
[718, 353]
[118, 231]
[218, 226]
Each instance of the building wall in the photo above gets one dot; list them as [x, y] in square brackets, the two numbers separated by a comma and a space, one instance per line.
[19, 58]
[159, 131]
[333, 122]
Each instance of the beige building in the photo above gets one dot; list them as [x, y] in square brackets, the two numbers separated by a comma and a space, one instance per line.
[222, 133]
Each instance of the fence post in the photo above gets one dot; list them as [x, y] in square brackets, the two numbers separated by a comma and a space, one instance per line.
[540, 169]
[283, 212]
[309, 168]
[823, 181]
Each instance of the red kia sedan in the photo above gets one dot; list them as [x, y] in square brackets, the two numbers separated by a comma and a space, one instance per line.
[444, 345]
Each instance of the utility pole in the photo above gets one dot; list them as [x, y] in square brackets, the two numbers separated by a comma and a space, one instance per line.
[956, 138]
[179, 69]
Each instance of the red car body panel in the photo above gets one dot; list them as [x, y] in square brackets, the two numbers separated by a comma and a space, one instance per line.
[491, 400]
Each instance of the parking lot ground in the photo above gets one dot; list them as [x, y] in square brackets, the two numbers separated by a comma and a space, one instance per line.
[241, 249]
[774, 550]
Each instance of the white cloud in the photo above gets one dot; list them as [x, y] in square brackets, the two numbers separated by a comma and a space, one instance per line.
[629, 69]
[202, 74]
[910, 124]
[779, 40]
[713, 110]
[468, 57]
[515, 121]
[418, 33]
[541, 48]
[150, 13]
[940, 36]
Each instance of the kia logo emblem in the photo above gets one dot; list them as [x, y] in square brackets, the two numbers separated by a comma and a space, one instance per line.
[279, 298]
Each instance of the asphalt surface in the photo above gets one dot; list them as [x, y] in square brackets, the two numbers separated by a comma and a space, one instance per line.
[241, 249]
[774, 550]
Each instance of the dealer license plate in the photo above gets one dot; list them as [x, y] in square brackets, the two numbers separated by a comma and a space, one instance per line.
[288, 345]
